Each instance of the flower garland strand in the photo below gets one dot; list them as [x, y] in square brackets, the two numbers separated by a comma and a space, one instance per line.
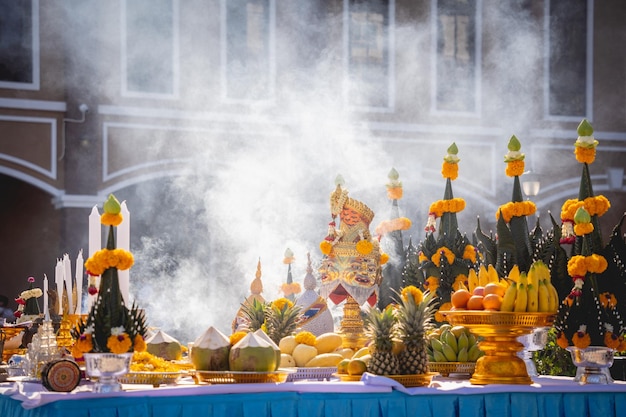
[449, 171]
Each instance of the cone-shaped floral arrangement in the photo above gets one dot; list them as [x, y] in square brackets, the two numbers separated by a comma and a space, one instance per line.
[110, 326]
[290, 288]
[389, 233]
[446, 260]
[27, 305]
[589, 315]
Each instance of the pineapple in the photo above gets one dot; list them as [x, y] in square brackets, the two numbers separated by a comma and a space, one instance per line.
[381, 330]
[282, 317]
[254, 313]
[416, 311]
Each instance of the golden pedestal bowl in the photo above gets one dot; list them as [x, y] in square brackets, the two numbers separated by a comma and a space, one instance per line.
[499, 331]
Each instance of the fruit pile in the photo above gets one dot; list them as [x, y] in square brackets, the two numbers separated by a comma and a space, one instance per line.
[519, 292]
[304, 349]
[453, 344]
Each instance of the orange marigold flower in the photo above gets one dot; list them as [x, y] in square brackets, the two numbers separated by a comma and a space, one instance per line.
[364, 247]
[436, 258]
[421, 257]
[596, 263]
[576, 266]
[585, 155]
[450, 170]
[608, 300]
[444, 307]
[569, 208]
[120, 343]
[582, 229]
[581, 340]
[306, 338]
[84, 343]
[459, 282]
[414, 292]
[109, 219]
[326, 247]
[394, 193]
[431, 284]
[282, 303]
[384, 258]
[514, 168]
[611, 340]
[139, 344]
[561, 340]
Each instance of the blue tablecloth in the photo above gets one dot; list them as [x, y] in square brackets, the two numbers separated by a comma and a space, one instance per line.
[552, 400]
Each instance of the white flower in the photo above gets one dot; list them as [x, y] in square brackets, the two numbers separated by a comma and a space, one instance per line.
[89, 329]
[116, 331]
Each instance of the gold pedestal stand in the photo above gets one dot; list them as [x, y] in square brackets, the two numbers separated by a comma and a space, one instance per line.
[64, 335]
[499, 332]
[9, 333]
[352, 331]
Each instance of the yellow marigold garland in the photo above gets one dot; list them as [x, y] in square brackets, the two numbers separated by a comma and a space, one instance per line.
[608, 300]
[412, 291]
[436, 258]
[364, 247]
[119, 343]
[516, 209]
[469, 253]
[306, 338]
[585, 155]
[611, 340]
[459, 282]
[384, 258]
[595, 206]
[431, 284]
[582, 229]
[453, 205]
[326, 247]
[288, 289]
[579, 265]
[450, 170]
[514, 168]
[139, 344]
[84, 343]
[109, 258]
[109, 219]
[562, 340]
[581, 339]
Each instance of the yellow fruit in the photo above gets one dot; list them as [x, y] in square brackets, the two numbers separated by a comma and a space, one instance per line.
[357, 367]
[287, 344]
[324, 360]
[472, 280]
[483, 276]
[361, 352]
[287, 361]
[328, 342]
[544, 297]
[508, 301]
[342, 367]
[345, 352]
[303, 353]
[532, 305]
[521, 298]
[492, 274]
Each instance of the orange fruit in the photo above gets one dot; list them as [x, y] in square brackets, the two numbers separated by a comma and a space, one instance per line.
[494, 288]
[479, 291]
[460, 297]
[492, 302]
[475, 303]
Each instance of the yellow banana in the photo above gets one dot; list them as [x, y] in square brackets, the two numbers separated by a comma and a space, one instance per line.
[532, 305]
[553, 301]
[483, 276]
[514, 274]
[521, 298]
[472, 280]
[508, 301]
[531, 276]
[504, 283]
[492, 274]
[544, 297]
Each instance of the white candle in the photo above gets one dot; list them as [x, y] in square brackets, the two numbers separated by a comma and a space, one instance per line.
[95, 244]
[59, 279]
[79, 283]
[95, 231]
[46, 309]
[123, 242]
[67, 266]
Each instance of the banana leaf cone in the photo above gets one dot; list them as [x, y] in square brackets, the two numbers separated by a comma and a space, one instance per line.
[586, 191]
[449, 225]
[392, 270]
[487, 245]
[519, 230]
[553, 254]
[613, 279]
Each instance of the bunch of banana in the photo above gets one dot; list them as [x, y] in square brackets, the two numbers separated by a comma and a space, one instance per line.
[484, 276]
[532, 292]
[453, 344]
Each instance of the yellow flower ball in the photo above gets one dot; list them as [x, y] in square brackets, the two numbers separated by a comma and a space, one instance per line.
[585, 155]
[515, 168]
[414, 292]
[119, 344]
[306, 338]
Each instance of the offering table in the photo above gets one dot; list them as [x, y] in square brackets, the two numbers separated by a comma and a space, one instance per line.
[371, 397]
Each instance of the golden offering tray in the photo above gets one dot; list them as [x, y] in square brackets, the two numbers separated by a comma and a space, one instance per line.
[347, 377]
[151, 378]
[499, 330]
[415, 380]
[235, 377]
[7, 333]
[447, 368]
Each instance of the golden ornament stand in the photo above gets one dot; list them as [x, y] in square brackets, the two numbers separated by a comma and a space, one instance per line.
[500, 330]
[68, 322]
[9, 333]
[352, 328]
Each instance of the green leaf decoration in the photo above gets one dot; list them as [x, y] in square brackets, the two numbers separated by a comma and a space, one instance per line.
[514, 144]
[517, 191]
[584, 128]
[393, 175]
[453, 149]
[487, 244]
[506, 248]
[112, 206]
[582, 216]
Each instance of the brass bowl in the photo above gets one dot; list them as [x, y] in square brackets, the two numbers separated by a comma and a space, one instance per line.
[499, 331]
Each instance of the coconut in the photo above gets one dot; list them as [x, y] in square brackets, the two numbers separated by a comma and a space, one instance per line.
[277, 351]
[210, 351]
[164, 346]
[253, 353]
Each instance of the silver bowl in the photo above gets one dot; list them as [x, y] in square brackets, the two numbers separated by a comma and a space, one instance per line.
[593, 364]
